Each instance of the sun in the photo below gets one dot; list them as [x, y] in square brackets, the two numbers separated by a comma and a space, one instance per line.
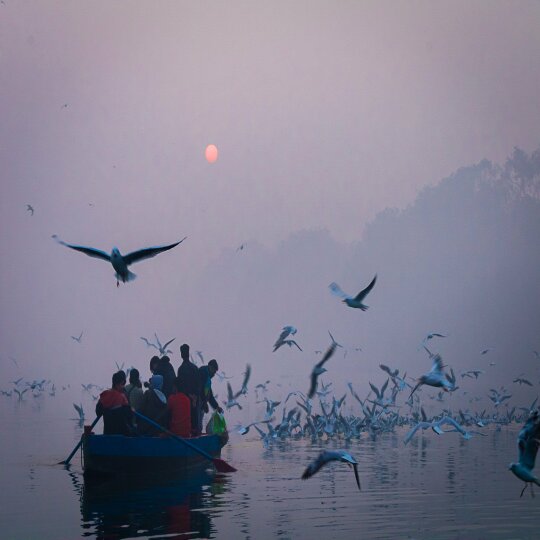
[211, 153]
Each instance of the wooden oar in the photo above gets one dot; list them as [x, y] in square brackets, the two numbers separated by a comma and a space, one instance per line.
[219, 464]
[66, 461]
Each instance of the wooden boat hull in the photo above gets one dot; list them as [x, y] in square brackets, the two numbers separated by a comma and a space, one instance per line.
[117, 454]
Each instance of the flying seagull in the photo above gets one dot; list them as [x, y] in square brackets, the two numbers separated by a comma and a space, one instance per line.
[161, 348]
[282, 339]
[30, 209]
[327, 457]
[77, 339]
[435, 376]
[353, 301]
[319, 369]
[121, 262]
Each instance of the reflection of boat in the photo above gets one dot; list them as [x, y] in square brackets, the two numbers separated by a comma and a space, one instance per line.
[135, 507]
[117, 454]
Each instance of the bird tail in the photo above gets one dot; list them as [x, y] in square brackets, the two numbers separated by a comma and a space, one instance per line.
[130, 277]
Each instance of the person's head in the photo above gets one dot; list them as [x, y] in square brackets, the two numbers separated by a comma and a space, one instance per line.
[119, 380]
[164, 360]
[184, 351]
[212, 367]
[154, 361]
[134, 377]
[156, 381]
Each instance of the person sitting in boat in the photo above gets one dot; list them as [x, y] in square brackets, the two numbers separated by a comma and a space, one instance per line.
[134, 391]
[154, 407]
[165, 369]
[154, 361]
[179, 407]
[113, 405]
[206, 373]
[188, 375]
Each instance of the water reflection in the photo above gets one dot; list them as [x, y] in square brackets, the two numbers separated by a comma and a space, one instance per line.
[151, 507]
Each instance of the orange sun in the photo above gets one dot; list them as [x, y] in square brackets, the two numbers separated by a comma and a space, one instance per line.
[211, 153]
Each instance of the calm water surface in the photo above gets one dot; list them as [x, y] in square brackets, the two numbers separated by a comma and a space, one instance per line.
[434, 488]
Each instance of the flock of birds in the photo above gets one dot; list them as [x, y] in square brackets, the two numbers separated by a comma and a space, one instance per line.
[380, 411]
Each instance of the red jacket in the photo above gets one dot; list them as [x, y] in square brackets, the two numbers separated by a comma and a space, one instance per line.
[179, 406]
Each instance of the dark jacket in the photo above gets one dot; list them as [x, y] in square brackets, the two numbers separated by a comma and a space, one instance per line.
[165, 369]
[189, 378]
[189, 383]
[154, 409]
[116, 412]
[207, 396]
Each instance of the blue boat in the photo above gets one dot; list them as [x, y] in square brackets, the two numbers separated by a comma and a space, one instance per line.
[118, 454]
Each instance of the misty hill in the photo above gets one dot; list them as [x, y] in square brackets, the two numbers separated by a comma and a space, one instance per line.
[463, 259]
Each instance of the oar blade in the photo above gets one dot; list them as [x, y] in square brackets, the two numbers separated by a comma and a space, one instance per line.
[222, 466]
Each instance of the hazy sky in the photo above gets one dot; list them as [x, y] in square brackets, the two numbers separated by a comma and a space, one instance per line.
[324, 113]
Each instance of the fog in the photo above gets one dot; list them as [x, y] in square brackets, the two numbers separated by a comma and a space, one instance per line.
[355, 139]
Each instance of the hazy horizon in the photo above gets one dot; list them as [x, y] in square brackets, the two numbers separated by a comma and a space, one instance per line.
[327, 116]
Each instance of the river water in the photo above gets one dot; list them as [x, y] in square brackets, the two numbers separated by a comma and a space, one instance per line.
[436, 487]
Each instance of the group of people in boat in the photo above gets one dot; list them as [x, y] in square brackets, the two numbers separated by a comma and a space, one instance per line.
[174, 401]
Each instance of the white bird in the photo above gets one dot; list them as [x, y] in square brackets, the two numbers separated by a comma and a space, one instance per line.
[528, 442]
[77, 339]
[435, 376]
[245, 429]
[29, 208]
[353, 301]
[231, 399]
[436, 427]
[19, 393]
[121, 262]
[328, 456]
[158, 346]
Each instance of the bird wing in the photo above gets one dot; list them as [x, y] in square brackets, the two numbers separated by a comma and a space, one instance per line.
[363, 293]
[375, 389]
[327, 355]
[313, 386]
[355, 468]
[229, 392]
[294, 343]
[410, 435]
[315, 465]
[384, 387]
[247, 375]
[91, 252]
[336, 290]
[169, 342]
[147, 253]
[148, 343]
[437, 365]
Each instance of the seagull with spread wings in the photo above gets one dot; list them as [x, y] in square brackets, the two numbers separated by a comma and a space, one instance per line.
[77, 339]
[353, 301]
[282, 339]
[435, 376]
[121, 262]
[326, 457]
